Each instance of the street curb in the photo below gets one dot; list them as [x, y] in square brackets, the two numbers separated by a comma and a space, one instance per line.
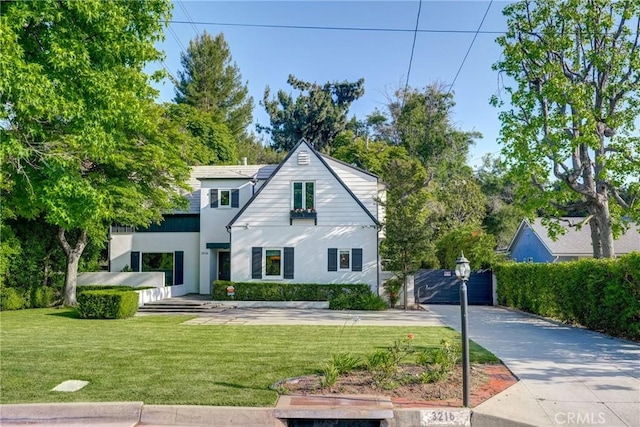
[130, 414]
[126, 413]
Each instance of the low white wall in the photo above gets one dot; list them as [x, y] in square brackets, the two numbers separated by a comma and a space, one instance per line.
[135, 280]
[179, 290]
[151, 295]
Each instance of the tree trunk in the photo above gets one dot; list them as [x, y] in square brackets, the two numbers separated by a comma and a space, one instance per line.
[404, 290]
[606, 232]
[73, 259]
[601, 230]
[596, 243]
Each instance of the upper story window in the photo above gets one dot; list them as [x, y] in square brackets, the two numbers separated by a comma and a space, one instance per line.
[224, 198]
[304, 196]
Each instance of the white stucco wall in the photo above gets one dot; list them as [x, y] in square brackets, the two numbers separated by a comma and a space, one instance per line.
[118, 278]
[341, 223]
[364, 186]
[311, 244]
[334, 205]
[122, 244]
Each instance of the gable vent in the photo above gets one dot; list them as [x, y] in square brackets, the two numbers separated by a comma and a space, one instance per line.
[303, 158]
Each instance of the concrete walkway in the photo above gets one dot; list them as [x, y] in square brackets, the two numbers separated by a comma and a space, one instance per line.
[568, 376]
[290, 316]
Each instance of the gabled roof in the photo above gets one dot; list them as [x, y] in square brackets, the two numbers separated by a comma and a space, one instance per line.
[323, 161]
[576, 242]
[366, 172]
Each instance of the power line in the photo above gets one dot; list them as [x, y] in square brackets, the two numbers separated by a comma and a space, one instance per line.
[413, 47]
[175, 36]
[328, 28]
[470, 46]
[190, 19]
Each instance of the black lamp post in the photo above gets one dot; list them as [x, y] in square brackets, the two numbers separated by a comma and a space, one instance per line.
[463, 270]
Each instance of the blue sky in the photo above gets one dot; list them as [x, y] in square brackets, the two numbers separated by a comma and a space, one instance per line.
[266, 56]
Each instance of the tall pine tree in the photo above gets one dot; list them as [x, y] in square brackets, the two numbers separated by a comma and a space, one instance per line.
[212, 83]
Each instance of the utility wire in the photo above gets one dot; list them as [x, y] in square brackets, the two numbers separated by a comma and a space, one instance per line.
[190, 19]
[470, 46]
[175, 36]
[413, 48]
[312, 27]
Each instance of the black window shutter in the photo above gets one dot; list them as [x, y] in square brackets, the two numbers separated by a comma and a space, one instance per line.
[235, 198]
[213, 196]
[178, 268]
[288, 263]
[256, 263]
[356, 261]
[135, 261]
[332, 258]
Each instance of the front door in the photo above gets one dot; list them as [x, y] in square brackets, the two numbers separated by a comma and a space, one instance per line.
[224, 265]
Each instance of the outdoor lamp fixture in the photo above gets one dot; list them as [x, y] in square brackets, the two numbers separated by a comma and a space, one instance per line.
[463, 270]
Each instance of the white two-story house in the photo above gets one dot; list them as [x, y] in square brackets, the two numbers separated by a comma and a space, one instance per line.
[310, 219]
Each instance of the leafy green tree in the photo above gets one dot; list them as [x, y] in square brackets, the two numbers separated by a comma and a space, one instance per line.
[421, 121]
[205, 141]
[83, 143]
[408, 233]
[372, 156]
[318, 114]
[258, 153]
[477, 245]
[503, 214]
[212, 83]
[576, 69]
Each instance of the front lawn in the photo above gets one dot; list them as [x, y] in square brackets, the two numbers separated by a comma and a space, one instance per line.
[157, 360]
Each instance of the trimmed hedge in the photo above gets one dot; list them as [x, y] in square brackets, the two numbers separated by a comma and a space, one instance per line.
[602, 295]
[265, 291]
[107, 304]
[369, 301]
[340, 296]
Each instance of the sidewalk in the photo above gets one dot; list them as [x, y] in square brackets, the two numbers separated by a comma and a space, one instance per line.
[568, 376]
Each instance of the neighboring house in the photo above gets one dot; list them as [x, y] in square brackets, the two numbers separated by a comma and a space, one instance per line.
[532, 243]
[311, 219]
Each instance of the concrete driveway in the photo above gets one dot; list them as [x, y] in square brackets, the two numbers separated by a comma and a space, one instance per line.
[569, 376]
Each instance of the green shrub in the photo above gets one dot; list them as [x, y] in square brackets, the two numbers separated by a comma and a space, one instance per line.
[365, 301]
[98, 287]
[346, 362]
[392, 288]
[43, 297]
[12, 299]
[107, 304]
[261, 291]
[439, 361]
[603, 295]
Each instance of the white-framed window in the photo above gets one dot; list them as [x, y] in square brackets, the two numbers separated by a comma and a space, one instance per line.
[224, 198]
[344, 259]
[303, 195]
[273, 263]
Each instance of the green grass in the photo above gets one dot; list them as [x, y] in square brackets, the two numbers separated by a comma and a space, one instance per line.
[157, 360]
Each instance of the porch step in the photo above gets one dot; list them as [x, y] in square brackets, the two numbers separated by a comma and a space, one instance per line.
[172, 306]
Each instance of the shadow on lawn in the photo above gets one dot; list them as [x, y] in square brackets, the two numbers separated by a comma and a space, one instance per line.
[231, 385]
[70, 314]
